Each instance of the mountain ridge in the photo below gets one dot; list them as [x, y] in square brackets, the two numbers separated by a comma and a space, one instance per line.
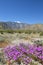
[15, 25]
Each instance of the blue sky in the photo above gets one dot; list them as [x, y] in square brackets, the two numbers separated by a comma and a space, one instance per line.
[26, 11]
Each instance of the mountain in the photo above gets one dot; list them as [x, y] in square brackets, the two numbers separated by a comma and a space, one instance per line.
[16, 25]
[12, 25]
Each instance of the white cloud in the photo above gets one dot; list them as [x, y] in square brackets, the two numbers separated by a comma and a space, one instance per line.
[18, 21]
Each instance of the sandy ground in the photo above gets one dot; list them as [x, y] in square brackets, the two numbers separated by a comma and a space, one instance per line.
[18, 41]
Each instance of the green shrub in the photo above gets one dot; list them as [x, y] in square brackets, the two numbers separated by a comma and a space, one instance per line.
[28, 31]
[1, 31]
[41, 33]
[9, 31]
[34, 32]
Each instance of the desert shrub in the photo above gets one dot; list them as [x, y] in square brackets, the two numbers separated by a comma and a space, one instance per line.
[23, 31]
[9, 31]
[41, 33]
[19, 31]
[28, 31]
[39, 42]
[1, 31]
[2, 39]
[2, 59]
[34, 32]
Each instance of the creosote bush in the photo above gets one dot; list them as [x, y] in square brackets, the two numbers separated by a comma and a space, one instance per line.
[41, 33]
[17, 31]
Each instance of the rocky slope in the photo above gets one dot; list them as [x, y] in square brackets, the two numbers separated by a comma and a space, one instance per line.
[15, 25]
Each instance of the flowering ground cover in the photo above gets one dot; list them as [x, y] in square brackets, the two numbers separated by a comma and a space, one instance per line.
[24, 53]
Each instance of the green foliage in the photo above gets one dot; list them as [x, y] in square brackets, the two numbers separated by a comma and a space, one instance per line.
[6, 31]
[20, 31]
[9, 31]
[41, 33]
[1, 31]
[28, 31]
[34, 32]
